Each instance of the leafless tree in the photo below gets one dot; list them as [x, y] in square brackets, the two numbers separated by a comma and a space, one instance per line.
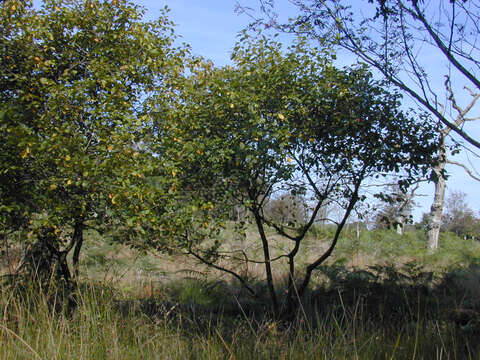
[458, 217]
[398, 208]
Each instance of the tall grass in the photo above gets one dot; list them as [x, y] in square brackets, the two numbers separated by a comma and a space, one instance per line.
[106, 325]
[426, 309]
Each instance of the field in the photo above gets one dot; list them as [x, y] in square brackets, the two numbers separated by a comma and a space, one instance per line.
[381, 296]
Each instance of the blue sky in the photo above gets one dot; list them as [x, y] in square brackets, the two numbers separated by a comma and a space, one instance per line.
[209, 26]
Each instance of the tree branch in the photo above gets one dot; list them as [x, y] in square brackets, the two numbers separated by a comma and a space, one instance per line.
[326, 254]
[419, 15]
[467, 170]
[221, 268]
[350, 43]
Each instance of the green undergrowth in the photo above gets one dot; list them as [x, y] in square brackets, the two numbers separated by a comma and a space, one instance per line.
[103, 258]
[386, 246]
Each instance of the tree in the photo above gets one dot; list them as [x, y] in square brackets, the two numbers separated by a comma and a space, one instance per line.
[459, 218]
[398, 38]
[290, 122]
[439, 178]
[397, 210]
[74, 77]
[287, 209]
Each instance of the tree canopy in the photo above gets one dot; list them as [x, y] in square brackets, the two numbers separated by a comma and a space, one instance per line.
[75, 75]
[288, 122]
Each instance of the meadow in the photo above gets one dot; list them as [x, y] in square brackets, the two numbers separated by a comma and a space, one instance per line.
[381, 296]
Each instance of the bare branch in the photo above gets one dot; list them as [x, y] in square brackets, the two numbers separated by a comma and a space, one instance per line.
[460, 120]
[245, 258]
[420, 16]
[339, 229]
[467, 170]
[221, 268]
[352, 43]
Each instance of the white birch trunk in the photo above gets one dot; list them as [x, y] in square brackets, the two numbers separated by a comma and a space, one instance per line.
[399, 227]
[436, 210]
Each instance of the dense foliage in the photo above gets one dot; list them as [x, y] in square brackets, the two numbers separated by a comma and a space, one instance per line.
[74, 77]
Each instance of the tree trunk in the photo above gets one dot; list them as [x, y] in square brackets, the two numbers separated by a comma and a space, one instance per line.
[399, 222]
[399, 227]
[78, 240]
[268, 266]
[436, 210]
[293, 297]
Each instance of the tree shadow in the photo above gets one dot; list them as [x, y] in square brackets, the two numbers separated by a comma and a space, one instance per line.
[401, 299]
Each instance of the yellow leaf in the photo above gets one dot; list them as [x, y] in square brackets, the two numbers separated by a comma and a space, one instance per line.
[53, 187]
[174, 173]
[232, 106]
[281, 117]
[25, 153]
[109, 147]
[69, 182]
[67, 157]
